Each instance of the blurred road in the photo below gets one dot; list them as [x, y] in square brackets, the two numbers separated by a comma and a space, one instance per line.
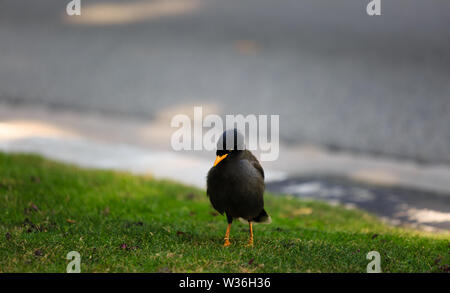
[337, 77]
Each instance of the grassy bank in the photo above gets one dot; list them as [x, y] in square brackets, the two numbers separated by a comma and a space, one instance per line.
[124, 223]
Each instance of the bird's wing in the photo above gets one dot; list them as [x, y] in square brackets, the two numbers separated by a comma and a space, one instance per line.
[255, 163]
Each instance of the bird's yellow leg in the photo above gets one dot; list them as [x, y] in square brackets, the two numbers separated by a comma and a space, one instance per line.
[250, 241]
[227, 236]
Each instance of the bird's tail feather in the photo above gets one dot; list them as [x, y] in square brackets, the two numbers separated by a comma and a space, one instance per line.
[262, 218]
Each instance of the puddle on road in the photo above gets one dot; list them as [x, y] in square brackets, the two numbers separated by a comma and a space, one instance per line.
[399, 205]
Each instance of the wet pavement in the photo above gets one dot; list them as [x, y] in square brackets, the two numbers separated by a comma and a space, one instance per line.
[398, 205]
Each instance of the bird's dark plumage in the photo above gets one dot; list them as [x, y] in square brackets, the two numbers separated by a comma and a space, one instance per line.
[235, 185]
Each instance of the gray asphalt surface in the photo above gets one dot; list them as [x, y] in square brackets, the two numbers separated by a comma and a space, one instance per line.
[336, 76]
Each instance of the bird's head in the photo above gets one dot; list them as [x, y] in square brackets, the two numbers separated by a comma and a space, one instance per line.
[230, 143]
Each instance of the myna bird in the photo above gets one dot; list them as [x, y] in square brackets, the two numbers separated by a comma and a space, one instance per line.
[235, 184]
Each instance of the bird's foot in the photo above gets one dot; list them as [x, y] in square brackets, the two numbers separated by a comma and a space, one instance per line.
[250, 243]
[227, 243]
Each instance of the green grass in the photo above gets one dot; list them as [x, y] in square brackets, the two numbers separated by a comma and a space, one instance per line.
[124, 223]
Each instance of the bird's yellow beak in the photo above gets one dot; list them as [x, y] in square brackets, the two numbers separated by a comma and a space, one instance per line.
[219, 158]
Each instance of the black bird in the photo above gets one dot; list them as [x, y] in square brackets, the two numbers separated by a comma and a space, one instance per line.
[235, 184]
